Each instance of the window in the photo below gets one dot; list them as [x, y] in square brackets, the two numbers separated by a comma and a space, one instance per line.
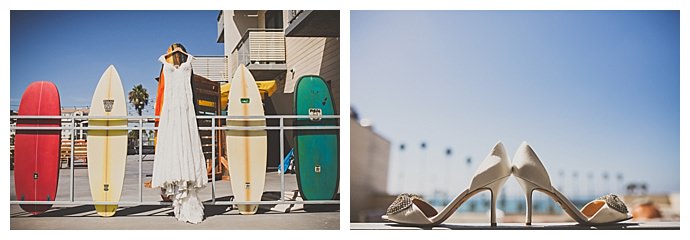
[274, 19]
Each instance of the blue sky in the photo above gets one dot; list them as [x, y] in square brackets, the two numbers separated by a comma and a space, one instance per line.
[593, 92]
[73, 48]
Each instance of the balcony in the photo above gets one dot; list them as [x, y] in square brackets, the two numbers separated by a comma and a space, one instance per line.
[262, 51]
[214, 68]
[313, 23]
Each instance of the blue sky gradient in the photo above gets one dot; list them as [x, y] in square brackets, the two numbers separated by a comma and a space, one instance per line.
[594, 92]
[73, 48]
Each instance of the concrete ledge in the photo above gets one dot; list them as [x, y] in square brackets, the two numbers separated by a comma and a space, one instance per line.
[521, 226]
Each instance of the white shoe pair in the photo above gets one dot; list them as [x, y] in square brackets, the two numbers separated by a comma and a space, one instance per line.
[491, 175]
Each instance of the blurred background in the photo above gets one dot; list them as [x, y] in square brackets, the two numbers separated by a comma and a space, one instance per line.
[596, 93]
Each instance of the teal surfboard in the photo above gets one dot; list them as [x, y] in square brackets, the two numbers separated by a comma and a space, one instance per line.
[316, 151]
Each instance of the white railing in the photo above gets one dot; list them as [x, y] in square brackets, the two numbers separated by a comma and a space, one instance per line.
[141, 120]
[214, 68]
[261, 46]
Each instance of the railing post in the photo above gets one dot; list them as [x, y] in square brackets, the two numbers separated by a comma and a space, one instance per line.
[71, 159]
[213, 159]
[141, 190]
[282, 163]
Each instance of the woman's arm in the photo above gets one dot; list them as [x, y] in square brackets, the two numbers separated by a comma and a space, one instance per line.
[177, 50]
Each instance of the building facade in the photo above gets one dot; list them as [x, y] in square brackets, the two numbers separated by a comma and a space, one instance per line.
[66, 122]
[282, 45]
[369, 159]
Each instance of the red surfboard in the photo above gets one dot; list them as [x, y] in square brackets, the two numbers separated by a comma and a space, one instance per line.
[37, 152]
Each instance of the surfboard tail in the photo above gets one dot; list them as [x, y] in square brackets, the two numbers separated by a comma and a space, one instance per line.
[106, 210]
[35, 209]
[248, 209]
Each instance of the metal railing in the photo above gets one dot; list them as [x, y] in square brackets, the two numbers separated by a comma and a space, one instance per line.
[150, 119]
[292, 15]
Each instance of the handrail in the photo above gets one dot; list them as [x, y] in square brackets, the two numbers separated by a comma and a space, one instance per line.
[154, 117]
[149, 120]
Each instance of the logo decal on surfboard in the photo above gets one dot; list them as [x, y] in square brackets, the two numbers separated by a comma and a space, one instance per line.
[315, 114]
[317, 169]
[244, 100]
[247, 185]
[108, 104]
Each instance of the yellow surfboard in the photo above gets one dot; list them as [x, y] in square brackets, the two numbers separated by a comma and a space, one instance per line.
[246, 149]
[107, 149]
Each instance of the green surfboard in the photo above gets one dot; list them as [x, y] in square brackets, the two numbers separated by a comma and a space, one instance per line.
[316, 151]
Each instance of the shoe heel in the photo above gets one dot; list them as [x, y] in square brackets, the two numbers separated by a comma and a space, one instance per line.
[495, 189]
[529, 188]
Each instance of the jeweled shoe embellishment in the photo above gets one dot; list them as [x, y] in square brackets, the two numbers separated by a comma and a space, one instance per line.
[401, 203]
[614, 202]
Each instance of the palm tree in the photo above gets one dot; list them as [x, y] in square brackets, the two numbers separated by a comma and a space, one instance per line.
[631, 187]
[139, 98]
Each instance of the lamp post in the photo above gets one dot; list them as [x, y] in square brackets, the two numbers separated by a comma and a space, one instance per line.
[561, 174]
[423, 176]
[576, 193]
[471, 201]
[590, 185]
[606, 183]
[401, 169]
[449, 165]
[619, 177]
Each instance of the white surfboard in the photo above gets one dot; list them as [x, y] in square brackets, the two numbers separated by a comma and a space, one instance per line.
[107, 149]
[246, 150]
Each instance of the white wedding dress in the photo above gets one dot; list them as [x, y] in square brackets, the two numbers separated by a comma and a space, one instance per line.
[179, 165]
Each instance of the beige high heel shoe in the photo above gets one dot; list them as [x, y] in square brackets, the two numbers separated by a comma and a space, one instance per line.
[531, 174]
[493, 172]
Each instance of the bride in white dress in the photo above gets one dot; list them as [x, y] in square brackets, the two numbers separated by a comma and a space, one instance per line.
[179, 165]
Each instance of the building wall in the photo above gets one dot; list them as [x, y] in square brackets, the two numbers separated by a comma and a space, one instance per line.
[308, 56]
[313, 56]
[67, 112]
[304, 55]
[369, 154]
[235, 24]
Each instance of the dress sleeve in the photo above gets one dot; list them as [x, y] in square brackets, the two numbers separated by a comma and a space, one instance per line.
[162, 59]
